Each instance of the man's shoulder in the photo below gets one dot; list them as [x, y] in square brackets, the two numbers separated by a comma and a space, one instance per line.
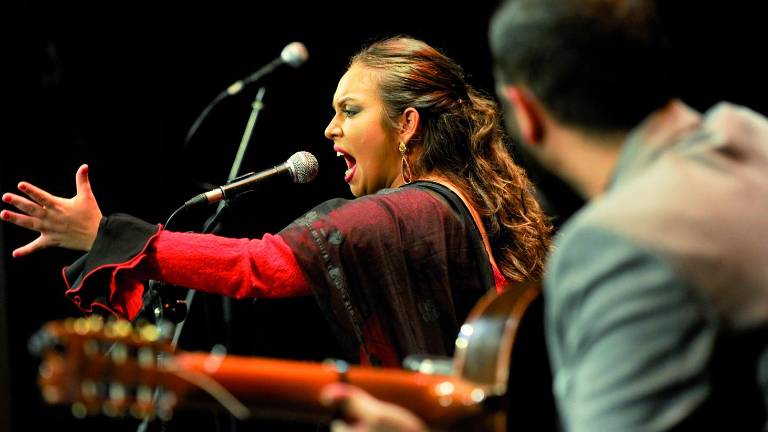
[738, 125]
[586, 242]
[730, 111]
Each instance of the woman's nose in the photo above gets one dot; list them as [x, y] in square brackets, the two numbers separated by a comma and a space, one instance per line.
[332, 130]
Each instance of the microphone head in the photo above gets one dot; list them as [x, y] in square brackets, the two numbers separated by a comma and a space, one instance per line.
[294, 54]
[303, 167]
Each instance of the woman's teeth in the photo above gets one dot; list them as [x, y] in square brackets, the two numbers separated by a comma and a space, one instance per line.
[350, 161]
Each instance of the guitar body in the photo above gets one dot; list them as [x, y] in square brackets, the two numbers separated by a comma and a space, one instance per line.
[507, 350]
[114, 370]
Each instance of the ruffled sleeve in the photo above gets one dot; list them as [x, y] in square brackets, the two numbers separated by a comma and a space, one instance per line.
[93, 281]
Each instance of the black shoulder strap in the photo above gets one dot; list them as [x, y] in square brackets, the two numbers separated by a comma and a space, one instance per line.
[459, 207]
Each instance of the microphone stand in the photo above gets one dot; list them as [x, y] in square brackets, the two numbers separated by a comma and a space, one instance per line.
[212, 224]
[179, 309]
[256, 108]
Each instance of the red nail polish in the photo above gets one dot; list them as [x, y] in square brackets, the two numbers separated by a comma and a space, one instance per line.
[7, 198]
[22, 187]
[5, 215]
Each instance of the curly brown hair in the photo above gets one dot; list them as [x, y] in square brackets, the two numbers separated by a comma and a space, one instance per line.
[461, 138]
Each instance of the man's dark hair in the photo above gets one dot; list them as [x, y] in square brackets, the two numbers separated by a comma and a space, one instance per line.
[598, 65]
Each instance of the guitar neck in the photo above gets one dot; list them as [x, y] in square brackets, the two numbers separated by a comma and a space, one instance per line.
[270, 387]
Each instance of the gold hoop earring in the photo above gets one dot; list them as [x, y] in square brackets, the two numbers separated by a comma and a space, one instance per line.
[405, 166]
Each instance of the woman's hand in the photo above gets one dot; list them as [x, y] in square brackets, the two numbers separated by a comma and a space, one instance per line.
[65, 222]
[364, 413]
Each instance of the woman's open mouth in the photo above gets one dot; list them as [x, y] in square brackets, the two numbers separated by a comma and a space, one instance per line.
[350, 161]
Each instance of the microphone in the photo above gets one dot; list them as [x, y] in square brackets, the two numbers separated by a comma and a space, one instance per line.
[294, 54]
[302, 167]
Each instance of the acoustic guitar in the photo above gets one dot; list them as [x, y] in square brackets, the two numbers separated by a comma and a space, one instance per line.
[117, 369]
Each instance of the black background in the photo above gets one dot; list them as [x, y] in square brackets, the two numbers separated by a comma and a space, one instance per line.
[118, 86]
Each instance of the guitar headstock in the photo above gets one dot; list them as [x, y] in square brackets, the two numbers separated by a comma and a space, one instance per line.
[108, 367]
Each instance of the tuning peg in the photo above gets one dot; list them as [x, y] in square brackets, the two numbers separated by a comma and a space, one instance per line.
[119, 353]
[110, 409]
[79, 410]
[42, 340]
[51, 394]
[95, 323]
[91, 348]
[117, 392]
[144, 394]
[164, 415]
[118, 329]
[166, 402]
[45, 371]
[117, 403]
[124, 327]
[82, 326]
[140, 411]
[69, 325]
[149, 333]
[146, 357]
[89, 389]
[82, 409]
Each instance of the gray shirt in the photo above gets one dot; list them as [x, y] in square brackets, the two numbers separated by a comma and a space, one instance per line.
[649, 282]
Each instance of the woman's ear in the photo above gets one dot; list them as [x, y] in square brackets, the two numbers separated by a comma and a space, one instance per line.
[409, 124]
[526, 112]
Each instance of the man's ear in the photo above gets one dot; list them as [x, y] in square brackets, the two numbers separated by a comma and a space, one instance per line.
[526, 111]
[409, 124]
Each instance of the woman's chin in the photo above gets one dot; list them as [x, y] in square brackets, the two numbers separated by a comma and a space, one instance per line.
[356, 191]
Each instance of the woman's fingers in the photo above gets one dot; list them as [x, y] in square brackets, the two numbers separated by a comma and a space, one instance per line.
[364, 413]
[29, 207]
[82, 182]
[35, 245]
[37, 195]
[22, 220]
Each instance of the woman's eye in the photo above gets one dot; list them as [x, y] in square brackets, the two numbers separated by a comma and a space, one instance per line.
[349, 112]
